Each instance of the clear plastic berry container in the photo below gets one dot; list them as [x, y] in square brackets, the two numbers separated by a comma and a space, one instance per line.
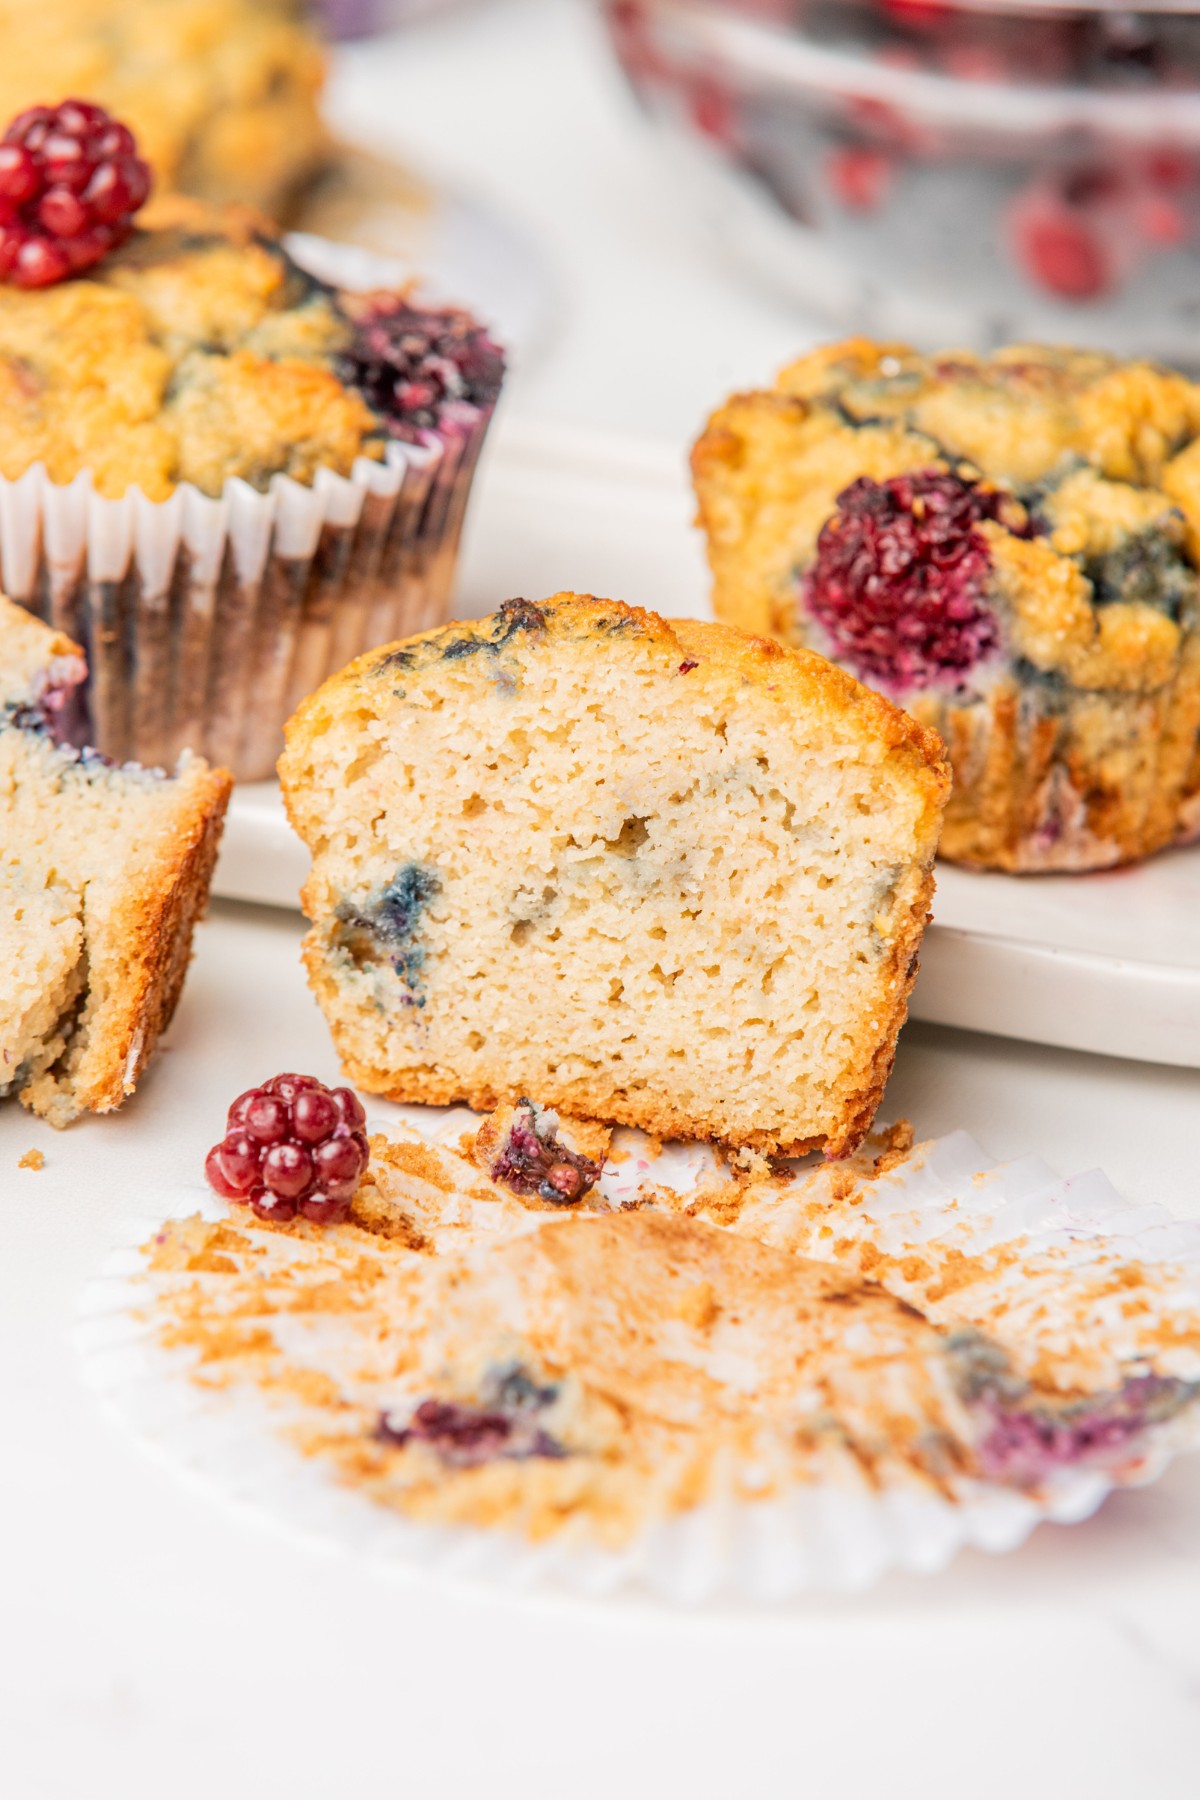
[942, 172]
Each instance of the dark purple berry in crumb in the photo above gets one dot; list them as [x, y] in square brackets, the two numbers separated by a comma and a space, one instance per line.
[1026, 1447]
[531, 1160]
[291, 1146]
[411, 362]
[71, 181]
[899, 584]
[464, 1435]
[685, 668]
[503, 1424]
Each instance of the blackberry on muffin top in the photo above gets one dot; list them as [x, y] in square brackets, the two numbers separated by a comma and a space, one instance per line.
[1005, 545]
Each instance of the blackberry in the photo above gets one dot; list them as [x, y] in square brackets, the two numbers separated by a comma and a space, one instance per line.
[900, 579]
[71, 181]
[291, 1146]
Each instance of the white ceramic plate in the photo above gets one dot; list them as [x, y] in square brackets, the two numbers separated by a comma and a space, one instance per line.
[1107, 963]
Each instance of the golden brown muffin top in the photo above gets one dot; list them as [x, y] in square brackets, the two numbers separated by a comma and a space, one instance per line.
[196, 353]
[1093, 546]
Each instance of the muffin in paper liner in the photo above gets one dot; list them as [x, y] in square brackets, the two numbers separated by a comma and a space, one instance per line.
[207, 617]
[1040, 1346]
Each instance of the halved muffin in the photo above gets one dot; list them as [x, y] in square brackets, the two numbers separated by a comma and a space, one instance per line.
[104, 871]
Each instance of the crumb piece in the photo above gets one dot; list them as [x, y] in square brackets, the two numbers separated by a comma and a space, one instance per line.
[753, 1163]
[32, 1159]
[896, 1142]
[519, 1148]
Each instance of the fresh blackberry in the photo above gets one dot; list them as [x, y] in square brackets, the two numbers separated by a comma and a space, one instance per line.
[291, 1146]
[71, 181]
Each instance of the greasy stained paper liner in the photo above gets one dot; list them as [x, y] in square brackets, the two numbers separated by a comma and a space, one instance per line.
[206, 621]
[833, 1537]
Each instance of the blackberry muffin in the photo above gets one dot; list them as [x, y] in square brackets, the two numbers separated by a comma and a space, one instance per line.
[657, 874]
[223, 94]
[103, 874]
[225, 478]
[1005, 546]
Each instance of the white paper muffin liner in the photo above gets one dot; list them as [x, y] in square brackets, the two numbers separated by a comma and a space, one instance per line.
[835, 1536]
[207, 620]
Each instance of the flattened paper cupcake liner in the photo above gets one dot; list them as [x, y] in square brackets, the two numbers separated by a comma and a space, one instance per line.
[206, 621]
[836, 1535]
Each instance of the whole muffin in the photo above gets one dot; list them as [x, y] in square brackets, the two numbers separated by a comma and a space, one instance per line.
[225, 478]
[223, 94]
[1007, 547]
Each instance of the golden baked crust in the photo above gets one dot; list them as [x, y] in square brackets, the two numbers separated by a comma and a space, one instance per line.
[222, 94]
[657, 873]
[128, 857]
[197, 353]
[1074, 742]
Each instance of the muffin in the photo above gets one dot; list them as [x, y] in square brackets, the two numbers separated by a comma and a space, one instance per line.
[225, 478]
[658, 874]
[1007, 547]
[103, 874]
[223, 94]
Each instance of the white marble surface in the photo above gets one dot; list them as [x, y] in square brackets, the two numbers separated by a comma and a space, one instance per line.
[152, 1644]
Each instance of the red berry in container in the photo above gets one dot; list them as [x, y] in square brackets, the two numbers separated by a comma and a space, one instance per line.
[291, 1147]
[860, 177]
[1073, 234]
[71, 181]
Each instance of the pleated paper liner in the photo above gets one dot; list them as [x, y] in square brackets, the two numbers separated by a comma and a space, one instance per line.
[835, 1534]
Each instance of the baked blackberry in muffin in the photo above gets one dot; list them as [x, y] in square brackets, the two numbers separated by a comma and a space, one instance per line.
[225, 477]
[223, 94]
[1007, 547]
[103, 874]
[656, 874]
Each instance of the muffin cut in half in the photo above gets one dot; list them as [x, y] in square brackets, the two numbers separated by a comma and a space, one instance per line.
[661, 874]
[1006, 546]
[103, 873]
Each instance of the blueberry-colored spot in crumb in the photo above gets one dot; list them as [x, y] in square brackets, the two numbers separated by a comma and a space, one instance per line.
[465, 1435]
[395, 659]
[387, 924]
[1147, 570]
[513, 617]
